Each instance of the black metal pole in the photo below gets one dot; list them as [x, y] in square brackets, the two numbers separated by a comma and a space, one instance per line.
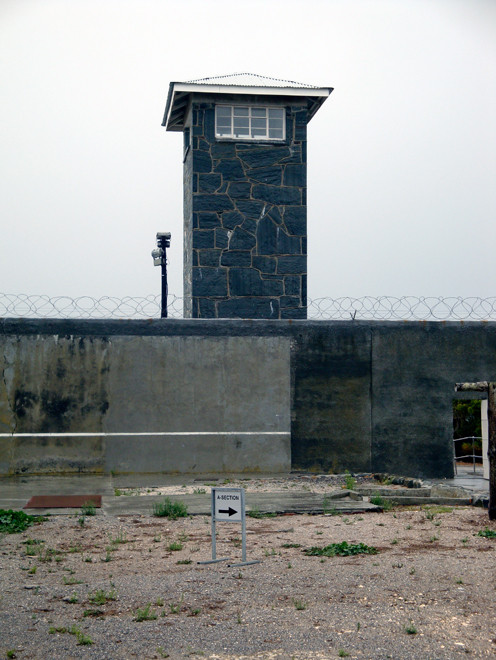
[163, 310]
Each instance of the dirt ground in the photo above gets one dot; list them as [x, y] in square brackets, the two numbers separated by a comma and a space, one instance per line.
[132, 587]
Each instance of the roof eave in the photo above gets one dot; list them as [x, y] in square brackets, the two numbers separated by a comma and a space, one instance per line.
[178, 98]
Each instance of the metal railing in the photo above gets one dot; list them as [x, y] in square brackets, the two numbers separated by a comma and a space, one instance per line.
[366, 308]
[473, 456]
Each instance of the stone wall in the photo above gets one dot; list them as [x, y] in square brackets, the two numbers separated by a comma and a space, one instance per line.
[245, 221]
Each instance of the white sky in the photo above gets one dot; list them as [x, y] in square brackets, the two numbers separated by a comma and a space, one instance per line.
[401, 157]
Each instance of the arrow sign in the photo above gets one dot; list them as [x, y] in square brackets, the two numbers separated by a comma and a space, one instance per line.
[229, 511]
[227, 504]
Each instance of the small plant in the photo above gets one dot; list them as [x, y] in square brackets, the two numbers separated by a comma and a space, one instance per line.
[397, 564]
[13, 522]
[342, 549]
[32, 570]
[199, 491]
[238, 618]
[170, 509]
[487, 533]
[94, 613]
[145, 614]
[57, 629]
[159, 602]
[459, 581]
[386, 505]
[410, 629]
[184, 561]
[269, 553]
[299, 604]
[349, 480]
[11, 653]
[412, 571]
[175, 546]
[82, 639]
[194, 612]
[162, 653]
[88, 509]
[342, 653]
[433, 539]
[394, 542]
[74, 598]
[100, 597]
[291, 545]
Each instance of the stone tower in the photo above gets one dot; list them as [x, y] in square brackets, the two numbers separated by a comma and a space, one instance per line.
[245, 218]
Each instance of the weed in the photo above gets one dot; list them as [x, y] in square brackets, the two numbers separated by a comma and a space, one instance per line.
[32, 570]
[74, 598]
[256, 513]
[11, 653]
[465, 540]
[343, 549]
[199, 491]
[162, 653]
[460, 581]
[269, 553]
[290, 565]
[238, 618]
[170, 509]
[82, 521]
[88, 509]
[291, 545]
[158, 538]
[94, 613]
[75, 548]
[117, 492]
[412, 571]
[184, 561]
[342, 653]
[100, 597]
[145, 614]
[394, 542]
[57, 629]
[13, 522]
[159, 602]
[487, 533]
[410, 629]
[175, 546]
[119, 538]
[433, 539]
[349, 481]
[108, 556]
[398, 564]
[386, 505]
[82, 639]
[299, 604]
[194, 612]
[408, 527]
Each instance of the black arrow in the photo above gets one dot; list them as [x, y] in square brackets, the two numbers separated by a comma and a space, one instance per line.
[229, 511]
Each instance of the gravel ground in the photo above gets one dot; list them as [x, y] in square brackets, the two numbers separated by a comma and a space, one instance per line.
[429, 592]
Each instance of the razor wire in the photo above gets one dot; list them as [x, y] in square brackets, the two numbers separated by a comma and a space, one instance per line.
[366, 308]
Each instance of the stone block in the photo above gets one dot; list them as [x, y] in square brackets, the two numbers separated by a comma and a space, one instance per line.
[209, 282]
[209, 257]
[239, 258]
[275, 214]
[250, 208]
[203, 239]
[209, 123]
[232, 219]
[292, 285]
[277, 194]
[206, 308]
[295, 219]
[221, 238]
[205, 202]
[269, 175]
[202, 162]
[295, 175]
[258, 156]
[292, 264]
[223, 150]
[266, 265]
[231, 169]
[239, 190]
[294, 313]
[272, 239]
[289, 301]
[207, 220]
[241, 240]
[209, 183]
[250, 225]
[249, 308]
[247, 282]
[300, 132]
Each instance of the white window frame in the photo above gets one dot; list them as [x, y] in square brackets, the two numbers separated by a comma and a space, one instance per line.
[252, 121]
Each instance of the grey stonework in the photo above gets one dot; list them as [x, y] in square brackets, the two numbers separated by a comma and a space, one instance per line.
[244, 219]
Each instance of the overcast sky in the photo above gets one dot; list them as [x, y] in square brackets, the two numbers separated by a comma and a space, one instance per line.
[401, 157]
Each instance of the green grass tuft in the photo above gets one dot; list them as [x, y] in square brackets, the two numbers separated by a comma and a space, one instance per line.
[170, 509]
[343, 549]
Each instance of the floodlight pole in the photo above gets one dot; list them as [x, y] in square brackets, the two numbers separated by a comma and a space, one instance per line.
[159, 255]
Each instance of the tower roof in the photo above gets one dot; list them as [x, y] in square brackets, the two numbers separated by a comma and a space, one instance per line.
[237, 83]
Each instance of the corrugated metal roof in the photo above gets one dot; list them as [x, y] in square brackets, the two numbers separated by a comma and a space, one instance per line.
[250, 80]
[237, 84]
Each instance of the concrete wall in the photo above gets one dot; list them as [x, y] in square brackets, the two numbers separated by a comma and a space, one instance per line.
[272, 395]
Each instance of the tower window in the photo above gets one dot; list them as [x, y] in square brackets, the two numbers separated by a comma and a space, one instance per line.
[245, 122]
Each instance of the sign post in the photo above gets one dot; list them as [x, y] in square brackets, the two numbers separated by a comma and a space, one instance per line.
[228, 505]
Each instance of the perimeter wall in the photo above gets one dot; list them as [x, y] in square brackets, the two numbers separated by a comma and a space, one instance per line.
[209, 396]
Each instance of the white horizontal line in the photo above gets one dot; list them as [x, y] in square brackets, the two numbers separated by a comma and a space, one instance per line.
[144, 433]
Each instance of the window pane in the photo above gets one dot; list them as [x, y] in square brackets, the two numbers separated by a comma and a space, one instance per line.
[223, 111]
[258, 123]
[275, 123]
[240, 111]
[258, 112]
[276, 112]
[275, 133]
[258, 132]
